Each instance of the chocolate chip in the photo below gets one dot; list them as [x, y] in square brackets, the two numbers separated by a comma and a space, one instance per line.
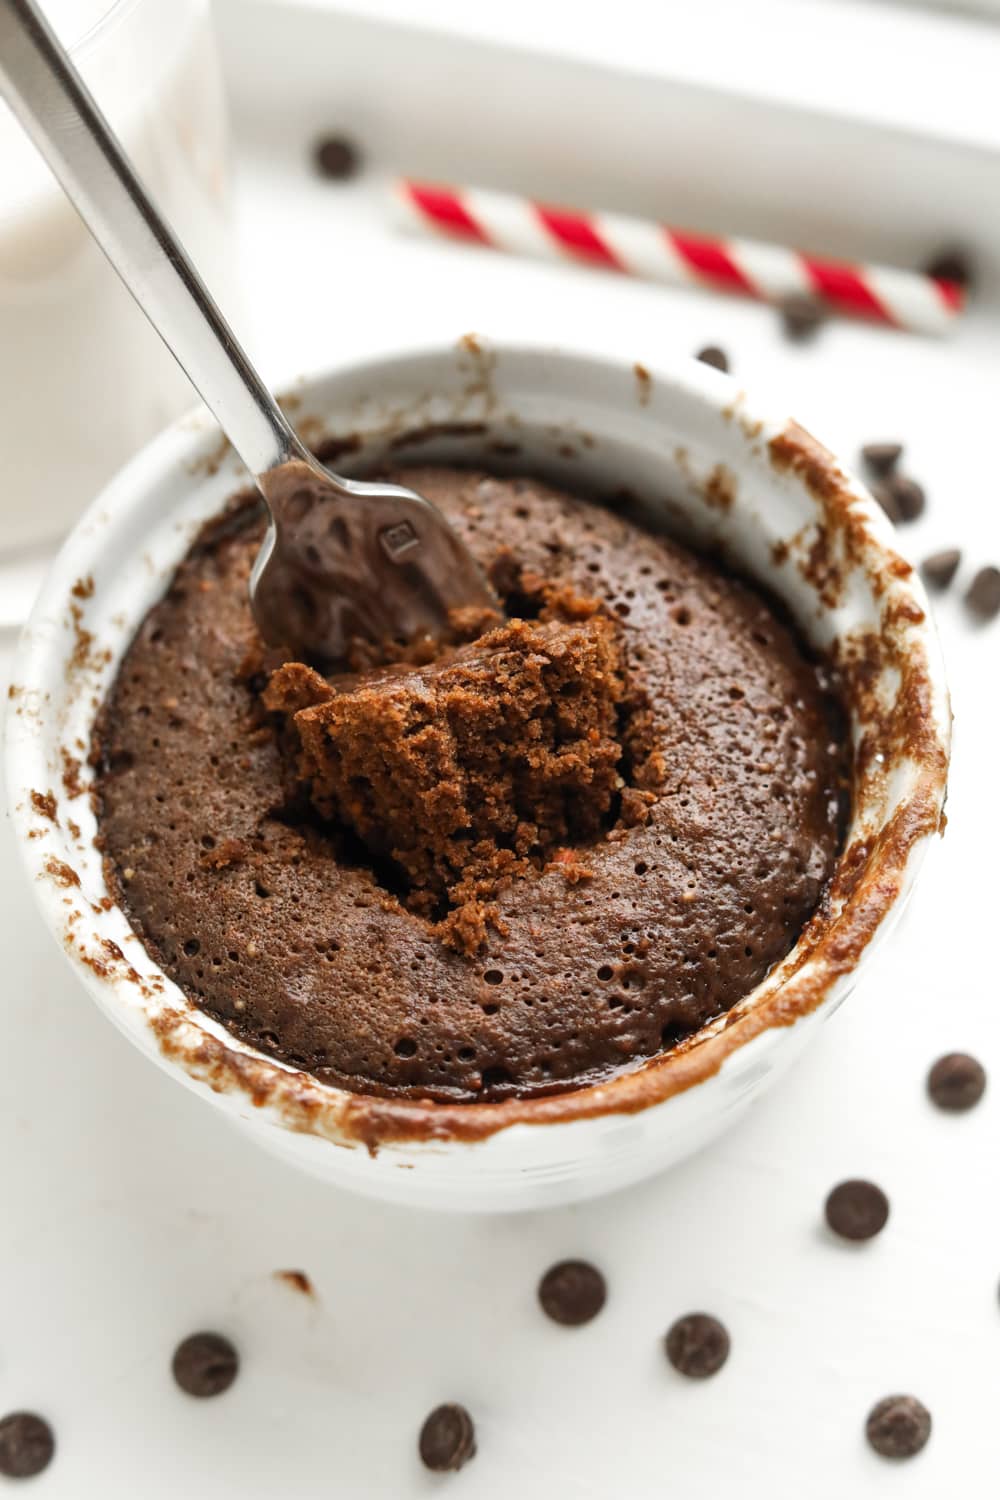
[910, 497]
[898, 1426]
[951, 265]
[956, 1081]
[902, 499]
[572, 1292]
[336, 157]
[983, 593]
[714, 356]
[205, 1364]
[26, 1445]
[801, 315]
[857, 1210]
[882, 458]
[940, 568]
[697, 1345]
[886, 497]
[447, 1438]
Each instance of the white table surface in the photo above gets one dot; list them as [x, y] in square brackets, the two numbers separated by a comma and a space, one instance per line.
[131, 1215]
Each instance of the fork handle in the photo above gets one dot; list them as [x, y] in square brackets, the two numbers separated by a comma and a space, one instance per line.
[58, 112]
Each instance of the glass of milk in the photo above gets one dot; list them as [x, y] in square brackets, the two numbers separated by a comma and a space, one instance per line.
[84, 381]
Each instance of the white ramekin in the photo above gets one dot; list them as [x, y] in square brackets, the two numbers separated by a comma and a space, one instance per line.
[691, 446]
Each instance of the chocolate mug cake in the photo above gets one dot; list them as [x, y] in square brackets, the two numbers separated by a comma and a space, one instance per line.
[549, 854]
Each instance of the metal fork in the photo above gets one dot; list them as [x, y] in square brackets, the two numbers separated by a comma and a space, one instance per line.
[341, 558]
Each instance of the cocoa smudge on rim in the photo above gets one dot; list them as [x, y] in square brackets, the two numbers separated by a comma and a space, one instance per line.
[46, 806]
[72, 766]
[720, 488]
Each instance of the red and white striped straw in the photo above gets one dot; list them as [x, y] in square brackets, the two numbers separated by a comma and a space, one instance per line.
[656, 252]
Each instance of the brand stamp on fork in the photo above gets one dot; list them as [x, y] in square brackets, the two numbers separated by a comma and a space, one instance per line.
[398, 539]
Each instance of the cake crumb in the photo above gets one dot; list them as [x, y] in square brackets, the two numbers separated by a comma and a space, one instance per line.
[228, 852]
[297, 1281]
[567, 862]
[294, 687]
[635, 805]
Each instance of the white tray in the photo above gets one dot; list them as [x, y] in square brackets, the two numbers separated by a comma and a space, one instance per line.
[131, 1216]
